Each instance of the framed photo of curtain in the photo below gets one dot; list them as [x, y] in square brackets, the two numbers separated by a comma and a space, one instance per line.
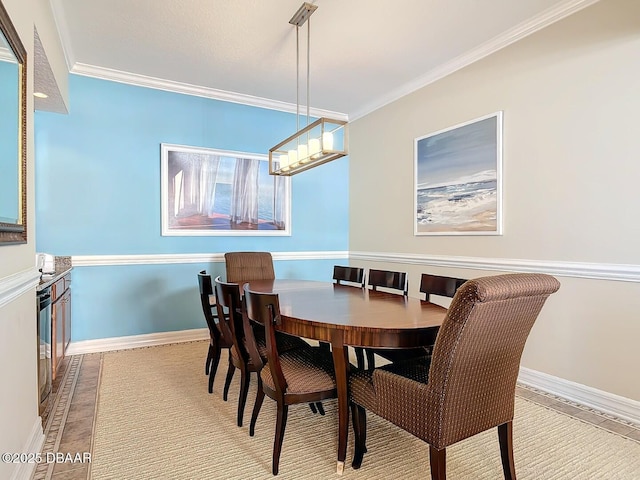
[458, 179]
[218, 192]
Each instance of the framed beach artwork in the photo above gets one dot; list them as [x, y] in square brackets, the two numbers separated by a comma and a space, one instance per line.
[218, 192]
[458, 179]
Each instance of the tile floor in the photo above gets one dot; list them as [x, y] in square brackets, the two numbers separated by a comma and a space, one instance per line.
[69, 418]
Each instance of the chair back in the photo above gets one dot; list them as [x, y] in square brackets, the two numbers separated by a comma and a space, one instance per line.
[437, 285]
[246, 266]
[348, 274]
[388, 279]
[476, 357]
[217, 323]
[264, 308]
[243, 339]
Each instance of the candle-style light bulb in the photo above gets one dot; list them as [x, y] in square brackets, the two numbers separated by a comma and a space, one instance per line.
[293, 158]
[284, 162]
[303, 153]
[314, 147]
[327, 141]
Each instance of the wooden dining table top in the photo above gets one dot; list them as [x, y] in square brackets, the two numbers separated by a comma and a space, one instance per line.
[368, 318]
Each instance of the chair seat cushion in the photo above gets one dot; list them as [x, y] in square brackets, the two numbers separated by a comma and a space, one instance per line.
[306, 370]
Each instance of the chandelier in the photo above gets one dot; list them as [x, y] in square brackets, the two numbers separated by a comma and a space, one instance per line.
[318, 142]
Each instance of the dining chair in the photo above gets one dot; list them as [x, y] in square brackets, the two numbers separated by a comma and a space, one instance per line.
[219, 333]
[244, 354]
[439, 285]
[468, 385]
[348, 275]
[249, 351]
[245, 266]
[287, 379]
[429, 285]
[389, 280]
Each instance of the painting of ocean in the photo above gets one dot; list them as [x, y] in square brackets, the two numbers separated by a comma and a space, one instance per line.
[458, 182]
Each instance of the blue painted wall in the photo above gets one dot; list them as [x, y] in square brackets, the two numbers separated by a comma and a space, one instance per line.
[98, 193]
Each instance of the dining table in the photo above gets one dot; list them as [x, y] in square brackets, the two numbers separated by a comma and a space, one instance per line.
[346, 316]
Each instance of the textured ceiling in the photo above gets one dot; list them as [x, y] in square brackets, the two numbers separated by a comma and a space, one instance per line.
[44, 80]
[363, 53]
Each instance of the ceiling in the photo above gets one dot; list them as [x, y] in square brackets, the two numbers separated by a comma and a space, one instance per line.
[364, 54]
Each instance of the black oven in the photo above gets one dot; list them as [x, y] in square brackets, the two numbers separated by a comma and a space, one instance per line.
[44, 345]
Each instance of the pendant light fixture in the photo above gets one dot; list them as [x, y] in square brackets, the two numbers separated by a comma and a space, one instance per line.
[319, 142]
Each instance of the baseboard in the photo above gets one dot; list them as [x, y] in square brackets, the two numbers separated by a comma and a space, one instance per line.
[23, 471]
[620, 407]
[136, 341]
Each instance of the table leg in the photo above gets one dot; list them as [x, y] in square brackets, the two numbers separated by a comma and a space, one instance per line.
[341, 365]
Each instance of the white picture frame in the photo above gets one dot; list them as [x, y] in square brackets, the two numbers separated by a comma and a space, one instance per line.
[213, 192]
[458, 179]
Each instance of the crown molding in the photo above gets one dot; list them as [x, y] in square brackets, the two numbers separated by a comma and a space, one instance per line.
[524, 29]
[598, 271]
[195, 90]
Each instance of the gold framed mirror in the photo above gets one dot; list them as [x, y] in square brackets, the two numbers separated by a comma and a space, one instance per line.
[13, 134]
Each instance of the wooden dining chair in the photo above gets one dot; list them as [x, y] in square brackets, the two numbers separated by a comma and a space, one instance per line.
[348, 276]
[244, 354]
[429, 285]
[389, 280]
[468, 385]
[246, 266]
[287, 379]
[219, 333]
[439, 285]
[249, 352]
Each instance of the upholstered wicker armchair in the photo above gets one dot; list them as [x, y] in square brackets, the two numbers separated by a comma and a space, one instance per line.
[245, 266]
[468, 385]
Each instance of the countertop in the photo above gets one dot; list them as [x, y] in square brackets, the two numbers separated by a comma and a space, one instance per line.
[51, 278]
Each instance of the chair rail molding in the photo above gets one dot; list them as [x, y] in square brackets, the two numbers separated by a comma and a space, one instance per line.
[13, 286]
[161, 258]
[598, 271]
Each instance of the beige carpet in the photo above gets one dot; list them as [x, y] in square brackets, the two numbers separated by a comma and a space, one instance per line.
[155, 419]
